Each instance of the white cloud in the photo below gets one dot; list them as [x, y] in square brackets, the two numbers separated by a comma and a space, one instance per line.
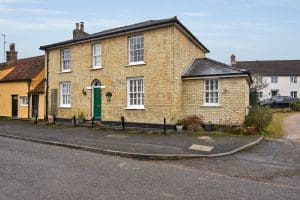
[32, 11]
[49, 23]
[36, 25]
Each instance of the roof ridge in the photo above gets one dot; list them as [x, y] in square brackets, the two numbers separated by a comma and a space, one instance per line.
[122, 30]
[225, 65]
[133, 24]
[267, 60]
[23, 59]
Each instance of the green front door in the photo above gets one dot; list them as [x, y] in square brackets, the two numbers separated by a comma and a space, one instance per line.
[97, 103]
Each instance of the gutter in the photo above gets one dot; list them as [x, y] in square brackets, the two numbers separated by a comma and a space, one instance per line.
[28, 96]
[47, 86]
[213, 76]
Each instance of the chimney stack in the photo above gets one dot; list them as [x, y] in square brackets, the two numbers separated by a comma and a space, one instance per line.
[12, 54]
[232, 60]
[78, 32]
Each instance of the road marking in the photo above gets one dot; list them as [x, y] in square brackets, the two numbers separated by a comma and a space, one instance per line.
[201, 147]
[204, 137]
[122, 164]
[118, 136]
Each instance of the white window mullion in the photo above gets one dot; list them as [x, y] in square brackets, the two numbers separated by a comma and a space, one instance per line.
[97, 56]
[65, 60]
[211, 94]
[65, 94]
[136, 49]
[135, 93]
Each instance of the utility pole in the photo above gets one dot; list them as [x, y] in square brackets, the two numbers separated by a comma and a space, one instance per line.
[4, 43]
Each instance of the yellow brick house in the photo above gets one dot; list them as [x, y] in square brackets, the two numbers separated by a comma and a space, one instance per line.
[144, 72]
[22, 86]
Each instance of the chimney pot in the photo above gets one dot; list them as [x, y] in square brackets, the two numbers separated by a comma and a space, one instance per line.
[232, 60]
[12, 47]
[77, 27]
[82, 26]
[12, 54]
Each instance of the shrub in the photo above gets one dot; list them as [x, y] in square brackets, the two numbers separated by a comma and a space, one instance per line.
[295, 106]
[192, 123]
[259, 117]
[286, 110]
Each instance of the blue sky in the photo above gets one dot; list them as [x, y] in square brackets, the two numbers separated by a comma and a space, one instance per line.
[253, 30]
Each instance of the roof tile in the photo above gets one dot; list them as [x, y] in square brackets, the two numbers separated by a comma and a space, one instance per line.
[24, 69]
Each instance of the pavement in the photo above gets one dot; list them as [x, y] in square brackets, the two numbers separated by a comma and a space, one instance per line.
[128, 143]
[291, 125]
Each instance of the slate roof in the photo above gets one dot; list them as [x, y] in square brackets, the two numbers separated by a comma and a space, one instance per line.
[205, 67]
[146, 25]
[272, 67]
[24, 69]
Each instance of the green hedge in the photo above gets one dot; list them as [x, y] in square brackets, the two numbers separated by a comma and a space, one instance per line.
[259, 117]
[295, 106]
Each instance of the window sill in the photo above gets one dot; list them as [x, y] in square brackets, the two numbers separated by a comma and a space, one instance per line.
[135, 108]
[63, 72]
[96, 68]
[211, 105]
[135, 64]
[62, 106]
[24, 105]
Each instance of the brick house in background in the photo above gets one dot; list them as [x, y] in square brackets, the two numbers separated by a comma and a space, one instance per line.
[22, 86]
[145, 72]
[277, 77]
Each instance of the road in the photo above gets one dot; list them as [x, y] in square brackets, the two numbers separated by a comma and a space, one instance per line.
[37, 171]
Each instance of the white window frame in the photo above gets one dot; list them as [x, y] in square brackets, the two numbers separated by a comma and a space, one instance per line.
[66, 60]
[259, 79]
[24, 101]
[209, 92]
[133, 50]
[293, 94]
[274, 79]
[260, 94]
[97, 55]
[140, 95]
[67, 95]
[294, 79]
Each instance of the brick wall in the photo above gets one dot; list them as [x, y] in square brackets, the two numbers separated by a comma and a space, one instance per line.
[162, 76]
[168, 52]
[233, 100]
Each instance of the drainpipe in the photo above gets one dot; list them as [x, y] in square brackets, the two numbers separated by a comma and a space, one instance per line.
[47, 85]
[28, 96]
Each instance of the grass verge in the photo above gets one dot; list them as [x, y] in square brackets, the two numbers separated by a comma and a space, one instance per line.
[275, 129]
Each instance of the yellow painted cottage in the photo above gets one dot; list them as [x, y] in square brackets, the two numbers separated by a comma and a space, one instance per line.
[144, 72]
[22, 86]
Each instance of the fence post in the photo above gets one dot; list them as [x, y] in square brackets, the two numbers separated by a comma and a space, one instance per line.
[123, 122]
[36, 119]
[54, 119]
[93, 119]
[74, 120]
[165, 126]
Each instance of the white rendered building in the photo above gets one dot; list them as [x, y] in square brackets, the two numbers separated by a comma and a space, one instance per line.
[273, 77]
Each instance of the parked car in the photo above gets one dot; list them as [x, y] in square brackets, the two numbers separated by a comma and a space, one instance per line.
[279, 101]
